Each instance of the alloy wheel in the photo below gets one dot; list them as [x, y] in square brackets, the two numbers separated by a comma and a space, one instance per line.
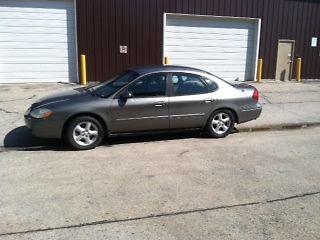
[221, 123]
[85, 133]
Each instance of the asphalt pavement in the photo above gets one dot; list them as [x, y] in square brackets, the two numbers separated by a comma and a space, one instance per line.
[254, 184]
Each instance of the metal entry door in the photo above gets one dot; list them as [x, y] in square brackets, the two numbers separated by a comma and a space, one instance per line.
[285, 60]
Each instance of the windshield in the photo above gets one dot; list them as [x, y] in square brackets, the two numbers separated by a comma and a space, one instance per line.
[108, 88]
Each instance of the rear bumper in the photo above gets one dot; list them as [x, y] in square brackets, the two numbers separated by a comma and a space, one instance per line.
[250, 113]
[43, 128]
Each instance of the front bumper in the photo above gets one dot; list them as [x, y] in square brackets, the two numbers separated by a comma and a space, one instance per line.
[43, 128]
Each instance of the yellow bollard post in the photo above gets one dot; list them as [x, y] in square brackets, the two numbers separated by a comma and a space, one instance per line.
[83, 61]
[167, 61]
[298, 69]
[259, 73]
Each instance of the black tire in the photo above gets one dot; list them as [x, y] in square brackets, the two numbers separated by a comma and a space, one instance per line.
[90, 130]
[216, 126]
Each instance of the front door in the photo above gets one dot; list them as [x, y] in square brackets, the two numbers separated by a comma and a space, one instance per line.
[146, 108]
[285, 60]
[191, 102]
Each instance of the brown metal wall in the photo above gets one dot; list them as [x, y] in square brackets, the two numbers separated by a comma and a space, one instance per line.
[104, 25]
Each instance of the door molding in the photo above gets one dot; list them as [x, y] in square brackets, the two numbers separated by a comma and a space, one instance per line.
[292, 55]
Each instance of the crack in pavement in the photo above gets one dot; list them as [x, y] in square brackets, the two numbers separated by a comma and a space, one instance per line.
[6, 111]
[162, 215]
[293, 102]
[266, 98]
[21, 99]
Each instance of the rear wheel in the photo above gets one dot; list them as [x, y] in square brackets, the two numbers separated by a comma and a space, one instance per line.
[220, 123]
[84, 133]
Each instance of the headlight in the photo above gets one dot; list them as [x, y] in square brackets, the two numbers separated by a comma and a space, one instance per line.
[27, 112]
[41, 113]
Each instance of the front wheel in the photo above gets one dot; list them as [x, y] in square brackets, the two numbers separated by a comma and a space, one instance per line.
[84, 133]
[220, 123]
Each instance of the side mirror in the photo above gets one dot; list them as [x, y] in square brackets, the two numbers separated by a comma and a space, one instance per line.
[126, 94]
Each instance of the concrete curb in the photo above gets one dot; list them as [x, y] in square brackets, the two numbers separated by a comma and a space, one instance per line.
[278, 127]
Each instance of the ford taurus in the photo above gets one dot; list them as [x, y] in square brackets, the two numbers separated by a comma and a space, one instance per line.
[144, 99]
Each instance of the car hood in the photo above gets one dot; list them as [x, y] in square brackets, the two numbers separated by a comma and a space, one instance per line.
[60, 97]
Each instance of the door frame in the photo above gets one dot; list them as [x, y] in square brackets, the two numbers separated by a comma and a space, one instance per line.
[292, 56]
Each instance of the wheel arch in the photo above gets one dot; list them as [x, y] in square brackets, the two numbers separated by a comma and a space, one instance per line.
[236, 117]
[87, 114]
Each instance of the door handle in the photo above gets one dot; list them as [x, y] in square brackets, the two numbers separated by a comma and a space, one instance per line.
[208, 100]
[160, 104]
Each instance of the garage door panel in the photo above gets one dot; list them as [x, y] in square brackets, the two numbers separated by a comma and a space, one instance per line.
[37, 41]
[205, 49]
[11, 37]
[38, 30]
[219, 69]
[208, 43]
[226, 66]
[48, 53]
[35, 23]
[36, 16]
[37, 60]
[37, 75]
[207, 36]
[231, 76]
[39, 67]
[212, 56]
[35, 45]
[214, 62]
[228, 31]
[223, 46]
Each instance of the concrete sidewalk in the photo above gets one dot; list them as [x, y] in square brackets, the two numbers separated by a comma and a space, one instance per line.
[285, 104]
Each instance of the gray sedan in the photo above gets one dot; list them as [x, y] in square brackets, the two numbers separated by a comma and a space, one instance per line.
[144, 99]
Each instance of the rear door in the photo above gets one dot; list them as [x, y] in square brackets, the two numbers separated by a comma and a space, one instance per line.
[192, 100]
[147, 108]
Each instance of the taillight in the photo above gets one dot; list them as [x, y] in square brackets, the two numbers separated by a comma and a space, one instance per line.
[256, 95]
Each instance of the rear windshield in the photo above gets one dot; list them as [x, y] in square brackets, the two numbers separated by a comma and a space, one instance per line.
[110, 87]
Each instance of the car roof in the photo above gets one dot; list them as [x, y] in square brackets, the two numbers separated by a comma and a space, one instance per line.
[166, 68]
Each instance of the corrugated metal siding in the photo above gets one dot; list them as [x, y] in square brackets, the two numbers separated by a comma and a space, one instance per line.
[104, 25]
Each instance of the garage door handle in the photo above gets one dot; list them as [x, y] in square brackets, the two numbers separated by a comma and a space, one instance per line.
[208, 100]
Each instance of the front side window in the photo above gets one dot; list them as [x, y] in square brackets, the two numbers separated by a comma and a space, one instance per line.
[188, 84]
[106, 89]
[153, 85]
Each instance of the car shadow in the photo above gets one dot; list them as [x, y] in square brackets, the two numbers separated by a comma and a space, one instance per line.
[21, 139]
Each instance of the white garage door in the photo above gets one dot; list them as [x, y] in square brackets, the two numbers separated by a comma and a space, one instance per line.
[226, 47]
[37, 41]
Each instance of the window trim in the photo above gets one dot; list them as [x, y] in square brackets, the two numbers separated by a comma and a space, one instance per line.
[139, 78]
[202, 79]
[214, 82]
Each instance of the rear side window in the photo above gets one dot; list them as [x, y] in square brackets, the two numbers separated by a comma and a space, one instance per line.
[188, 84]
[211, 85]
